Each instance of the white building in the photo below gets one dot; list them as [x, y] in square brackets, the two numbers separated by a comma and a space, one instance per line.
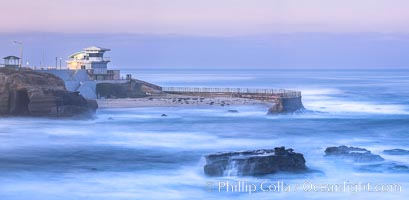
[92, 59]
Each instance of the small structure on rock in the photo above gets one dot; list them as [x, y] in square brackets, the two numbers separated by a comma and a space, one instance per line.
[253, 163]
[12, 62]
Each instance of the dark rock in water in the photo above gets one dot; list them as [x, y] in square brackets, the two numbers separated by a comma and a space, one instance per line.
[251, 163]
[110, 118]
[361, 155]
[353, 153]
[396, 152]
[164, 115]
[25, 92]
[233, 111]
[385, 167]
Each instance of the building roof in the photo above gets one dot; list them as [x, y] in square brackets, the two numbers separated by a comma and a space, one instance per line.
[74, 54]
[95, 48]
[91, 49]
[11, 57]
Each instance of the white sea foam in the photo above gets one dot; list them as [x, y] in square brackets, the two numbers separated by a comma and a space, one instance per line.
[329, 100]
[142, 137]
[333, 105]
[320, 91]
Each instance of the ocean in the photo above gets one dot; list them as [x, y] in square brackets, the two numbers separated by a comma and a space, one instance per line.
[134, 153]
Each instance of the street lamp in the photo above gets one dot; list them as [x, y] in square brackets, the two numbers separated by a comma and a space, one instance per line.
[21, 51]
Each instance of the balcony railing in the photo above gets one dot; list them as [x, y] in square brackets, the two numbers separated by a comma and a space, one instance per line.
[97, 59]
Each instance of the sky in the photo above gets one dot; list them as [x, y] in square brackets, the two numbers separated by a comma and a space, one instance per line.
[204, 17]
[213, 33]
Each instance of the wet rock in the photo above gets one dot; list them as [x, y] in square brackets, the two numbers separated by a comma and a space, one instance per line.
[396, 152]
[252, 163]
[132, 89]
[233, 111]
[164, 115]
[389, 167]
[286, 105]
[355, 154]
[25, 92]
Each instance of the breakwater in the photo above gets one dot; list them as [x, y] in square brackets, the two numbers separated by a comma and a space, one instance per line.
[284, 101]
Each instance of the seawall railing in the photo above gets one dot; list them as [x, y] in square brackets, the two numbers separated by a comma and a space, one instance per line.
[243, 91]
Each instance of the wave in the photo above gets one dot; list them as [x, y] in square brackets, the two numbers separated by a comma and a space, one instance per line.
[332, 101]
[340, 106]
[320, 92]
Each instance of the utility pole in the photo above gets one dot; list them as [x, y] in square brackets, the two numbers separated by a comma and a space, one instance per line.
[21, 52]
[60, 62]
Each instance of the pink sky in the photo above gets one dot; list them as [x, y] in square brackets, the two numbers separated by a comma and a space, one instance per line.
[205, 17]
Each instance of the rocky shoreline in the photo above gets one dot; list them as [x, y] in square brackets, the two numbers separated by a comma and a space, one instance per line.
[177, 101]
[280, 159]
[25, 92]
[137, 93]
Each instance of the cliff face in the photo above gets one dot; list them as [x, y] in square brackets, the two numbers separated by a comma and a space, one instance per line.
[29, 93]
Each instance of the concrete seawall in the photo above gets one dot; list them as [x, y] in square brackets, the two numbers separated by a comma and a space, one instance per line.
[287, 105]
[279, 101]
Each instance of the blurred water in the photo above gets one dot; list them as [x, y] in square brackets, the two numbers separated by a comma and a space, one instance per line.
[140, 155]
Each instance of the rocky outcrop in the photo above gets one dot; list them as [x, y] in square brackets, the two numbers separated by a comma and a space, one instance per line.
[355, 154]
[25, 92]
[130, 89]
[251, 163]
[364, 160]
[286, 105]
[396, 152]
[389, 167]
